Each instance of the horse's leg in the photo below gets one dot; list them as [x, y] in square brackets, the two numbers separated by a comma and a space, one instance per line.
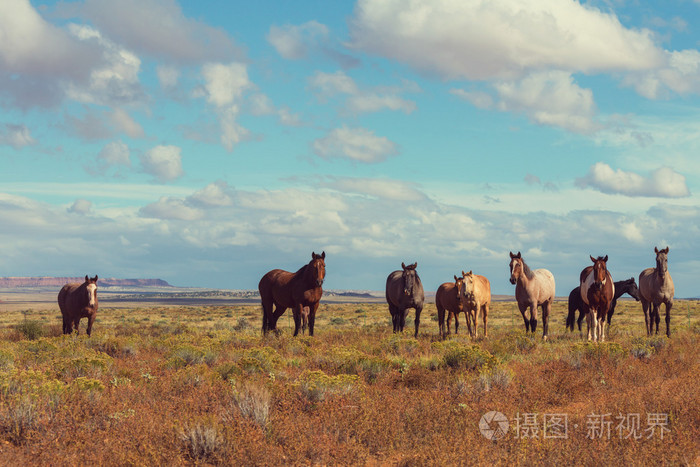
[91, 319]
[485, 312]
[66, 325]
[611, 311]
[450, 315]
[669, 305]
[589, 322]
[441, 322]
[533, 316]
[647, 322]
[296, 314]
[76, 323]
[394, 317]
[523, 308]
[417, 321]
[581, 316]
[312, 317]
[546, 308]
[272, 320]
[657, 315]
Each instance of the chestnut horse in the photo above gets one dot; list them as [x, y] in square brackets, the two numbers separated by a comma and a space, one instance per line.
[532, 289]
[447, 299]
[656, 287]
[301, 291]
[404, 290]
[597, 292]
[475, 299]
[628, 286]
[78, 300]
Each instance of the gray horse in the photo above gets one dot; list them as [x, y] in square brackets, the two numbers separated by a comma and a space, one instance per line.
[404, 290]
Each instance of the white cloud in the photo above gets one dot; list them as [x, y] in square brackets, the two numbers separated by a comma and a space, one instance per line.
[224, 84]
[115, 153]
[680, 74]
[478, 99]
[172, 209]
[328, 85]
[293, 42]
[214, 194]
[500, 40]
[159, 29]
[81, 206]
[356, 144]
[663, 182]
[123, 122]
[380, 188]
[163, 162]
[17, 136]
[550, 98]
[167, 76]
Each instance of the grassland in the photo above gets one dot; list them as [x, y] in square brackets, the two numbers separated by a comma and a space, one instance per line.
[175, 385]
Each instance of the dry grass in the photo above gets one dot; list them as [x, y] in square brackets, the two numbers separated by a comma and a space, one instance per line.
[185, 384]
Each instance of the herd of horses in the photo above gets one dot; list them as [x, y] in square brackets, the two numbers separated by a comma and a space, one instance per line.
[470, 293]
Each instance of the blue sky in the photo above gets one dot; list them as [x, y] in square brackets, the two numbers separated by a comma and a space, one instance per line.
[206, 143]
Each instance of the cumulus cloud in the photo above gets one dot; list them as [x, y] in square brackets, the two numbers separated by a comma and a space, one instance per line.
[680, 74]
[500, 40]
[293, 42]
[171, 209]
[44, 56]
[17, 136]
[163, 162]
[663, 182]
[328, 85]
[160, 29]
[215, 194]
[81, 206]
[356, 144]
[114, 154]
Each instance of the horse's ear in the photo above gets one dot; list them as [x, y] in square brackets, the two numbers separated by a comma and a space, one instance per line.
[656, 250]
[86, 278]
[463, 273]
[605, 260]
[403, 266]
[592, 258]
[511, 255]
[666, 250]
[469, 273]
[455, 277]
[323, 254]
[415, 265]
[518, 255]
[95, 279]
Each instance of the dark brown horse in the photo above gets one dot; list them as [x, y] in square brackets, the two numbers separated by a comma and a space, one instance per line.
[404, 290]
[447, 300]
[301, 291]
[656, 287]
[76, 301]
[597, 292]
[628, 286]
[532, 289]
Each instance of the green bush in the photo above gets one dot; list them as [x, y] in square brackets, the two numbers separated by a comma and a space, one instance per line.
[317, 385]
[30, 329]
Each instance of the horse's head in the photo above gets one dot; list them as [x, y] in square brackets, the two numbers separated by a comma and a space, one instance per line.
[631, 288]
[91, 290]
[468, 287]
[661, 261]
[516, 267]
[409, 276]
[318, 267]
[600, 271]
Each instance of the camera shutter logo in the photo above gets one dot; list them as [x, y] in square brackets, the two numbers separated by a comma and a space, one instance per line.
[493, 425]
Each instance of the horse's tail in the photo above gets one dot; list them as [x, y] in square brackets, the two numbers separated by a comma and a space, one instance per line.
[571, 318]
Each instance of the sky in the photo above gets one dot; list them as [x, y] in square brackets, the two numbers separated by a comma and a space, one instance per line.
[206, 143]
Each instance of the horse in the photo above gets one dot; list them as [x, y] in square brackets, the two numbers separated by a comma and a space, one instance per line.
[532, 289]
[78, 300]
[404, 290]
[627, 286]
[301, 291]
[475, 299]
[447, 299]
[597, 292]
[656, 287]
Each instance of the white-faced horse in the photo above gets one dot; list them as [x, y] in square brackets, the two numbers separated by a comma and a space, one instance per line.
[597, 292]
[532, 289]
[656, 287]
[476, 299]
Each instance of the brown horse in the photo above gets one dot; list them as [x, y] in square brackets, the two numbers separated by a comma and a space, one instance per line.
[475, 299]
[532, 289]
[76, 301]
[301, 291]
[404, 290]
[447, 299]
[597, 292]
[656, 287]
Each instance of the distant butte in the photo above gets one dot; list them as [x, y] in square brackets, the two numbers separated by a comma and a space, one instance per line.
[15, 282]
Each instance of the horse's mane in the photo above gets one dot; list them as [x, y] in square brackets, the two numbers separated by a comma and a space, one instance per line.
[527, 271]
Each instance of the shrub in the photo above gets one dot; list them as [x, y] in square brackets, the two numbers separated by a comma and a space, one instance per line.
[253, 402]
[494, 378]
[19, 420]
[242, 324]
[201, 442]
[461, 355]
[186, 355]
[30, 329]
[317, 385]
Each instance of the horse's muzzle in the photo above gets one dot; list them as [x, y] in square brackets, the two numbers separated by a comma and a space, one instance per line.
[512, 281]
[319, 282]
